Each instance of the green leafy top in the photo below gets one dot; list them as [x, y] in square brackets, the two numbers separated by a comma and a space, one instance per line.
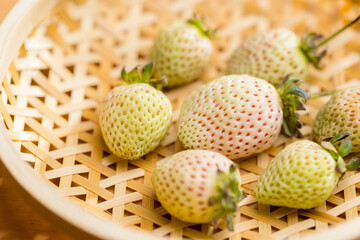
[293, 98]
[228, 194]
[143, 75]
[310, 43]
[200, 25]
[344, 149]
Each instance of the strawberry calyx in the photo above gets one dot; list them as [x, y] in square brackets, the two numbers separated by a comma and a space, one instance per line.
[310, 43]
[144, 75]
[199, 24]
[228, 194]
[342, 151]
[293, 98]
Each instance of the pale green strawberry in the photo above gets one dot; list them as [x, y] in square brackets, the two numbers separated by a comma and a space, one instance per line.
[181, 51]
[304, 174]
[134, 118]
[239, 115]
[277, 53]
[198, 186]
[341, 113]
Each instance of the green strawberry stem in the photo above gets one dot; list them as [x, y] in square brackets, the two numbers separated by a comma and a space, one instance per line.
[309, 44]
[200, 25]
[228, 194]
[143, 75]
[329, 92]
[323, 93]
[293, 98]
[337, 33]
[344, 150]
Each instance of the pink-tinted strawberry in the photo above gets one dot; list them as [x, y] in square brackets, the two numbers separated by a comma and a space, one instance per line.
[239, 115]
[274, 54]
[181, 51]
[198, 186]
[134, 118]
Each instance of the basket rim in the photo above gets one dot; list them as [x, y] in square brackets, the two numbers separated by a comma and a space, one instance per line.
[20, 22]
[15, 28]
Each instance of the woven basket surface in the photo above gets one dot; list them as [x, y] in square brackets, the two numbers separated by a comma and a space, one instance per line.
[51, 95]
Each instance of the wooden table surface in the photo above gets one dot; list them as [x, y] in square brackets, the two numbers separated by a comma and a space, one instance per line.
[17, 219]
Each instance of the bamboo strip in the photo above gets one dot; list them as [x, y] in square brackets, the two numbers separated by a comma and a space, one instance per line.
[322, 216]
[64, 171]
[170, 227]
[130, 220]
[135, 173]
[69, 130]
[71, 150]
[283, 233]
[127, 198]
[49, 88]
[347, 182]
[108, 172]
[239, 227]
[336, 211]
[146, 213]
[139, 187]
[9, 92]
[5, 114]
[248, 211]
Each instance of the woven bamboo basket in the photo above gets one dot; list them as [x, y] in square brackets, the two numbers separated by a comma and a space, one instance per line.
[58, 59]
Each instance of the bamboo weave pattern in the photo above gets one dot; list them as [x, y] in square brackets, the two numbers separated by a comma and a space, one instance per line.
[50, 99]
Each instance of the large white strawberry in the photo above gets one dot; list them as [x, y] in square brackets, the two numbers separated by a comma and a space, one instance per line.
[198, 186]
[134, 118]
[304, 174]
[239, 115]
[274, 54]
[181, 51]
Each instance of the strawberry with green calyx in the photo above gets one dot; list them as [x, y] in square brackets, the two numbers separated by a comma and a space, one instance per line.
[304, 174]
[181, 51]
[198, 186]
[293, 98]
[144, 75]
[134, 118]
[274, 54]
[239, 115]
[340, 113]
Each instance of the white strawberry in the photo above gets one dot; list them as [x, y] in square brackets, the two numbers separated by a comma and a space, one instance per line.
[239, 115]
[181, 51]
[304, 174]
[134, 118]
[277, 53]
[198, 186]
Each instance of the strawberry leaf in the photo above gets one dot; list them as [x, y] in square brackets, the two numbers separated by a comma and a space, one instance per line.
[353, 164]
[338, 137]
[345, 148]
[199, 24]
[147, 71]
[143, 76]
[227, 194]
[293, 99]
